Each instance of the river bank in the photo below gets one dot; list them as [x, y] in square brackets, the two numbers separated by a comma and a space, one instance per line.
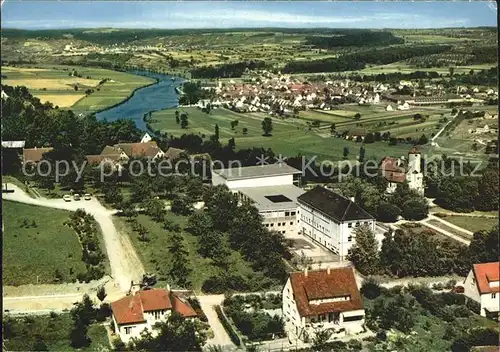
[153, 97]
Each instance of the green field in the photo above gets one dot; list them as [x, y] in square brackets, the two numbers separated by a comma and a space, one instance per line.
[53, 83]
[36, 252]
[406, 68]
[54, 331]
[472, 223]
[290, 137]
[155, 256]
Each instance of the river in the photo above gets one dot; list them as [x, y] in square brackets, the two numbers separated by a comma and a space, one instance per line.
[158, 96]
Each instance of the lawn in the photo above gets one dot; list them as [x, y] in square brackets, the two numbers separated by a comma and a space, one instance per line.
[420, 229]
[55, 333]
[472, 223]
[53, 83]
[449, 229]
[406, 68]
[155, 256]
[290, 137]
[33, 254]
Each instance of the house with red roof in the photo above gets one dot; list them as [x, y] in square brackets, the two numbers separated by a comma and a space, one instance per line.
[141, 311]
[482, 285]
[320, 300]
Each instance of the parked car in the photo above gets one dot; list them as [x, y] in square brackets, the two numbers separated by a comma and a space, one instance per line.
[76, 197]
[67, 198]
[458, 289]
[87, 196]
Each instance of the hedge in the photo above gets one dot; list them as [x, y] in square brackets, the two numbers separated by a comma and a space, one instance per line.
[227, 325]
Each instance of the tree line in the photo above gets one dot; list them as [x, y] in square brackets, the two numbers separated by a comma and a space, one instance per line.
[411, 252]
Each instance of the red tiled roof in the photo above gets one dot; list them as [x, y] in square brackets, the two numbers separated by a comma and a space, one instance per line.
[173, 153]
[109, 150]
[149, 149]
[155, 299]
[182, 307]
[34, 154]
[97, 159]
[130, 309]
[485, 273]
[391, 171]
[318, 284]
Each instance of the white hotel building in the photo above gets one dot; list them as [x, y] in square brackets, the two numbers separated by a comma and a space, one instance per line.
[330, 219]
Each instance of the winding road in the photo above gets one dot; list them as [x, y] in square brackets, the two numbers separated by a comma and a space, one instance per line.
[124, 262]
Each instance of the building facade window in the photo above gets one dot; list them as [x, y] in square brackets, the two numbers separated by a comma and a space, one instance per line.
[493, 295]
[349, 225]
[349, 239]
[128, 330]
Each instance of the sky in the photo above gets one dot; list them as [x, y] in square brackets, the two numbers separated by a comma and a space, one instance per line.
[36, 14]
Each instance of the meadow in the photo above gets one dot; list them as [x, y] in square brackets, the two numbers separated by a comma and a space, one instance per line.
[54, 330]
[403, 67]
[155, 254]
[54, 84]
[462, 143]
[36, 243]
[472, 223]
[290, 137]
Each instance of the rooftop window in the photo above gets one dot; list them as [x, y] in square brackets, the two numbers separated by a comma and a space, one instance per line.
[278, 198]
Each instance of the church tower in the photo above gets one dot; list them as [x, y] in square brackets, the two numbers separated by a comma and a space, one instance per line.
[414, 174]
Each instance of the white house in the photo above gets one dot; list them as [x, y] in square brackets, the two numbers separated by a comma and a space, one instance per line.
[146, 138]
[404, 106]
[256, 176]
[396, 171]
[389, 108]
[319, 300]
[141, 311]
[330, 219]
[483, 286]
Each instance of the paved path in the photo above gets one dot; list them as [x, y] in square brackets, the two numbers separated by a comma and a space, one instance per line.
[221, 338]
[124, 262]
[424, 222]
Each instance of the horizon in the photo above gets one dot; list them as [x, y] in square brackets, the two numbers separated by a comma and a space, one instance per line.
[247, 15]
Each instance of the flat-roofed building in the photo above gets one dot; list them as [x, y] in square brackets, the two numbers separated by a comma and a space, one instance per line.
[276, 204]
[256, 176]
